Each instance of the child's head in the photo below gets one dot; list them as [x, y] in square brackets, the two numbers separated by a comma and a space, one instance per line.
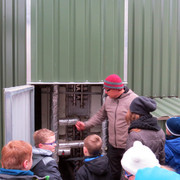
[92, 145]
[140, 106]
[45, 139]
[131, 117]
[17, 155]
[173, 126]
[137, 157]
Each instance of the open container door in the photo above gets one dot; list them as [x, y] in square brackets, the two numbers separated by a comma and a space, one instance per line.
[19, 113]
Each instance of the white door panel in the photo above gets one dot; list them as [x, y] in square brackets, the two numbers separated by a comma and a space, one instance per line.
[19, 113]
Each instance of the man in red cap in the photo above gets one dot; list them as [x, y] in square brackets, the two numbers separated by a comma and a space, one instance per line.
[114, 109]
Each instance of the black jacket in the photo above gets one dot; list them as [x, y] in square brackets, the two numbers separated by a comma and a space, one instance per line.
[44, 164]
[94, 169]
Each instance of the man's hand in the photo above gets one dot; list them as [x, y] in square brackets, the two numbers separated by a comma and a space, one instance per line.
[80, 126]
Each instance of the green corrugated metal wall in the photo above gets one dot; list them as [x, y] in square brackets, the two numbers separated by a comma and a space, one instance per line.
[154, 46]
[12, 48]
[76, 40]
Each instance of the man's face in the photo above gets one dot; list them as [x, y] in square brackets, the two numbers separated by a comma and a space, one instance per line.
[114, 93]
[50, 144]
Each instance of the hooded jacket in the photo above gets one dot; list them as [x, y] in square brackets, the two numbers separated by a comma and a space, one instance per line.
[94, 168]
[115, 111]
[12, 174]
[172, 152]
[150, 134]
[44, 164]
[156, 173]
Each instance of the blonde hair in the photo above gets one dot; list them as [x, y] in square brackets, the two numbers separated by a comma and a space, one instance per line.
[131, 117]
[15, 153]
[93, 143]
[42, 135]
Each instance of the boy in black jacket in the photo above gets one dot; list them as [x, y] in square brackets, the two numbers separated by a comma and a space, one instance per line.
[43, 163]
[96, 166]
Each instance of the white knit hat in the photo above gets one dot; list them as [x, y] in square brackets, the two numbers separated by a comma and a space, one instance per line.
[137, 157]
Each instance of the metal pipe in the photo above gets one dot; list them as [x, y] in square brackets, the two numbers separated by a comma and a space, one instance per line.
[67, 122]
[54, 113]
[71, 144]
[54, 108]
[64, 152]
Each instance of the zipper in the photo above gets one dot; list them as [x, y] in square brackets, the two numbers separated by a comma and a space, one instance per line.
[115, 122]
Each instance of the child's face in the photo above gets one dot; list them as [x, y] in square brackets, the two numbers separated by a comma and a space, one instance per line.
[50, 144]
[85, 151]
[27, 164]
[129, 176]
[167, 132]
[30, 163]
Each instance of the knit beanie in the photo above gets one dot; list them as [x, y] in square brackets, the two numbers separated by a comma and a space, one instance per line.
[137, 157]
[142, 105]
[173, 126]
[113, 81]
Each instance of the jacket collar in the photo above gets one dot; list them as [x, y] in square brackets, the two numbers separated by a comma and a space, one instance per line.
[15, 172]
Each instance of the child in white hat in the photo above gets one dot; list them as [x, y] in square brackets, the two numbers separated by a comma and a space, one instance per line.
[138, 157]
[139, 160]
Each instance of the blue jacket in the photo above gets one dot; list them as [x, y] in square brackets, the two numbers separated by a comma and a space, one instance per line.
[172, 153]
[156, 173]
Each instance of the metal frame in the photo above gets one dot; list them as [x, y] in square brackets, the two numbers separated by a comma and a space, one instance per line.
[65, 83]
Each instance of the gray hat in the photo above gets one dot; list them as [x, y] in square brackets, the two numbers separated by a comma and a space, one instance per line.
[142, 105]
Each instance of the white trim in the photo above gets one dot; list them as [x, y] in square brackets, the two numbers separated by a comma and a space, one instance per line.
[125, 40]
[50, 83]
